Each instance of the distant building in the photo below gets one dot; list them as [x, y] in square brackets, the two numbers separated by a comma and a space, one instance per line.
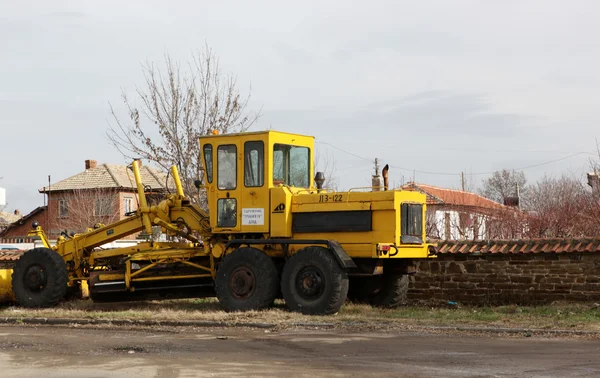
[16, 231]
[102, 194]
[460, 215]
[7, 218]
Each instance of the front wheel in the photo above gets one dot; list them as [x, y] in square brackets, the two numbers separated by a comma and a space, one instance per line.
[313, 282]
[246, 280]
[40, 278]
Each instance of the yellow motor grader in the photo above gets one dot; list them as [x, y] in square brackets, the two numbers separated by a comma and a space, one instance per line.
[272, 230]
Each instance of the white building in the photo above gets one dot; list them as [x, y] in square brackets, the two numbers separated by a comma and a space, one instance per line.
[459, 215]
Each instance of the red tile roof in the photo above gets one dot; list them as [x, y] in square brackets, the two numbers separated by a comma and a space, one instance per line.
[9, 258]
[111, 176]
[520, 246]
[443, 196]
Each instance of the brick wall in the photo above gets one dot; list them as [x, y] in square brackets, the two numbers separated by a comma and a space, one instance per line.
[508, 278]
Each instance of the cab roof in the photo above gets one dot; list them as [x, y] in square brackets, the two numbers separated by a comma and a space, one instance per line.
[247, 133]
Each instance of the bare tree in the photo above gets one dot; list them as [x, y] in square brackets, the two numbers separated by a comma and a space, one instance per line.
[432, 226]
[504, 184]
[562, 207]
[177, 106]
[83, 209]
[325, 162]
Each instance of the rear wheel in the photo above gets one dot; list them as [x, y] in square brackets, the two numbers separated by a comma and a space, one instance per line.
[313, 282]
[246, 280]
[40, 278]
[386, 290]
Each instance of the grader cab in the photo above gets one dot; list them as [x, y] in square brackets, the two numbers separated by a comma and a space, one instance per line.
[271, 231]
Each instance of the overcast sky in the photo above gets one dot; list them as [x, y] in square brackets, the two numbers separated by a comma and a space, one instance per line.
[426, 86]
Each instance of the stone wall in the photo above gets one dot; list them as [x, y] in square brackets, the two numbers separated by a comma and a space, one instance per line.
[531, 278]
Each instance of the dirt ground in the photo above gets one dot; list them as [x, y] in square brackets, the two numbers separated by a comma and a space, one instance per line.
[27, 351]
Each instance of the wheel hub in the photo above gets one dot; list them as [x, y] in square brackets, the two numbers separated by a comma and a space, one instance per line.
[242, 282]
[35, 278]
[310, 283]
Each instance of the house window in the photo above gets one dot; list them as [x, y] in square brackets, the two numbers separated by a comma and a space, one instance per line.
[63, 208]
[128, 205]
[103, 207]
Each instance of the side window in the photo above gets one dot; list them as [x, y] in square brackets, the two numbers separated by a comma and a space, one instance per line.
[291, 165]
[278, 166]
[208, 162]
[254, 167]
[299, 167]
[63, 208]
[226, 212]
[227, 167]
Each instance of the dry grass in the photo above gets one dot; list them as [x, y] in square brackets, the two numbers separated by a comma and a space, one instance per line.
[557, 316]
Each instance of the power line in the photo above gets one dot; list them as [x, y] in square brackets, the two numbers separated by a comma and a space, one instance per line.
[457, 173]
[348, 152]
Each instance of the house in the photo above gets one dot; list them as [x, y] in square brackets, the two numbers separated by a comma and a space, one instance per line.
[460, 215]
[7, 218]
[101, 194]
[16, 231]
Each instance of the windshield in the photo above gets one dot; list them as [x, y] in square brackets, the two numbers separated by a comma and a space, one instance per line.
[291, 165]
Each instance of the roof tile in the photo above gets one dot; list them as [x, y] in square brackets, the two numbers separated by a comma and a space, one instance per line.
[110, 176]
[443, 196]
[520, 246]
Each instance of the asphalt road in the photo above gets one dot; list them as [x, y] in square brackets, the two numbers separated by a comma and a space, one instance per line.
[27, 351]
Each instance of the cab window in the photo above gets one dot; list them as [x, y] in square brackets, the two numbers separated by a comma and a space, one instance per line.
[412, 223]
[227, 167]
[254, 165]
[208, 162]
[226, 212]
[291, 165]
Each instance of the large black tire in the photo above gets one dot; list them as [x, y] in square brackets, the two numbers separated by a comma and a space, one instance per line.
[387, 290]
[40, 278]
[247, 279]
[313, 282]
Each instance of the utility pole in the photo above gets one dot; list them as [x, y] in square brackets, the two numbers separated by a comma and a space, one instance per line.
[518, 197]
[462, 180]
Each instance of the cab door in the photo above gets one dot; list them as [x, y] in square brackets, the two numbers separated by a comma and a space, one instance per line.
[254, 192]
[228, 188]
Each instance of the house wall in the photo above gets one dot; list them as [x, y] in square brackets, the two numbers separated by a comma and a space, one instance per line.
[497, 279]
[443, 219]
[82, 213]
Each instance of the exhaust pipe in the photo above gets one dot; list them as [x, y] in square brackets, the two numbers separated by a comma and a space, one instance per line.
[384, 173]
